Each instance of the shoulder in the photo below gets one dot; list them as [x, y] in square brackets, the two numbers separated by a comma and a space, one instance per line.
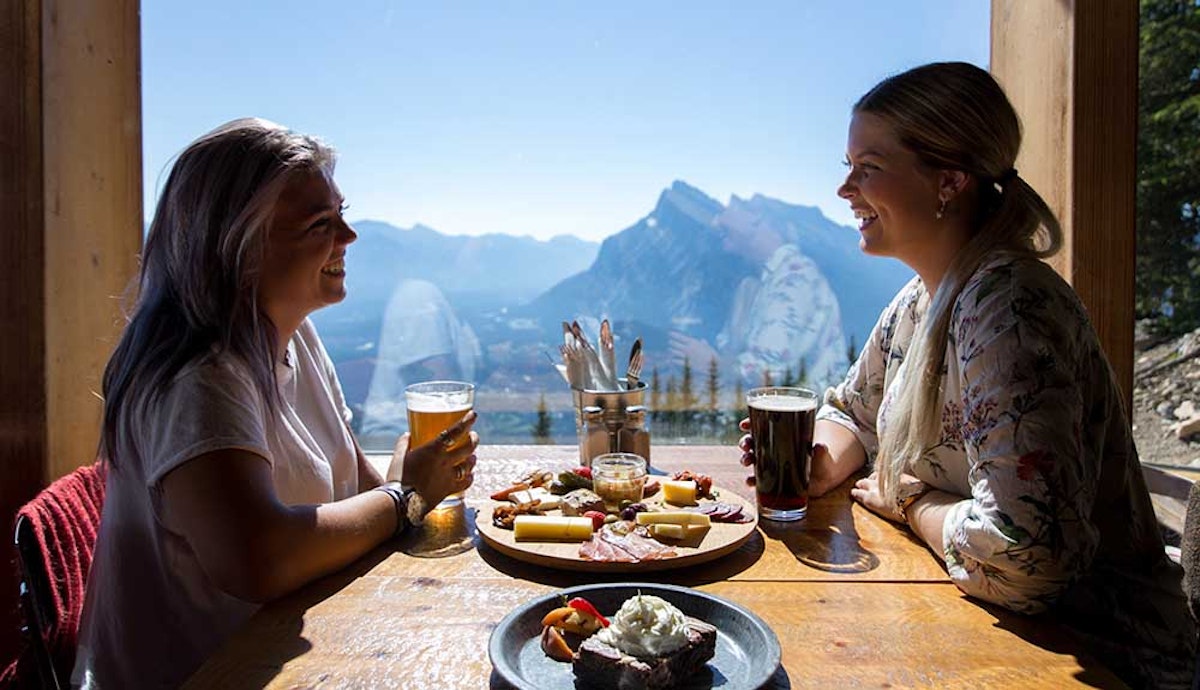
[906, 302]
[309, 348]
[215, 375]
[1020, 286]
[1024, 298]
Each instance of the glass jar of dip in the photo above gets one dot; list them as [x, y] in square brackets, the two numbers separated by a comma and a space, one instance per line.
[618, 477]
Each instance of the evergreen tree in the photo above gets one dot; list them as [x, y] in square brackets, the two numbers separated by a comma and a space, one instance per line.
[789, 379]
[732, 433]
[656, 408]
[1168, 152]
[670, 418]
[687, 398]
[802, 376]
[714, 384]
[852, 350]
[541, 427]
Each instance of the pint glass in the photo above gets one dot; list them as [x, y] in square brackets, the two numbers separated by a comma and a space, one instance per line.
[433, 407]
[781, 423]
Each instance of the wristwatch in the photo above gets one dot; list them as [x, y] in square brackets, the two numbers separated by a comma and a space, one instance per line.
[908, 495]
[415, 507]
[410, 505]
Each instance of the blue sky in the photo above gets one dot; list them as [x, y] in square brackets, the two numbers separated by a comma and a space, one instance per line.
[544, 118]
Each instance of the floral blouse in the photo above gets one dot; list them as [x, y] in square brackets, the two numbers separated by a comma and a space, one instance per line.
[1055, 513]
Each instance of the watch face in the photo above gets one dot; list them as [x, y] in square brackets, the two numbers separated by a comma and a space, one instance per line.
[415, 507]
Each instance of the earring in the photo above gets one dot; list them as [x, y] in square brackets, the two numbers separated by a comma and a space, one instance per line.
[941, 212]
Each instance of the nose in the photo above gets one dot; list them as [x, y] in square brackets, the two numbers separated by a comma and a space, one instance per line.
[848, 188]
[346, 233]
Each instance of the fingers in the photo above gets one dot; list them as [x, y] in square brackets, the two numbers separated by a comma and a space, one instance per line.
[464, 472]
[744, 425]
[750, 481]
[401, 446]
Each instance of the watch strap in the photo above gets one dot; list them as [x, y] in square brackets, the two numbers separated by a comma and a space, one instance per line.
[399, 501]
[909, 494]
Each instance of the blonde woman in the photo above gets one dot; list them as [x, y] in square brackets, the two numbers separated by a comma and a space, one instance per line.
[982, 404]
[233, 477]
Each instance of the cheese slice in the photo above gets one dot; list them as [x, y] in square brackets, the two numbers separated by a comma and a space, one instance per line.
[552, 528]
[667, 530]
[681, 493]
[673, 517]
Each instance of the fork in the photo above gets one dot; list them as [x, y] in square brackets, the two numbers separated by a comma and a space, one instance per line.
[634, 371]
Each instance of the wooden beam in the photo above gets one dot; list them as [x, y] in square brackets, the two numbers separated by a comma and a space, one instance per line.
[93, 207]
[22, 310]
[1070, 69]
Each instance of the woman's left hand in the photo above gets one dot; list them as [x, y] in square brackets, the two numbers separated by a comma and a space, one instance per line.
[866, 492]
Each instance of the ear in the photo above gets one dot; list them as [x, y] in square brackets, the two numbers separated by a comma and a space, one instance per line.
[951, 183]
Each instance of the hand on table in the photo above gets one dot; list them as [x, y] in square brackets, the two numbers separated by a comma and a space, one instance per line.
[434, 470]
[866, 492]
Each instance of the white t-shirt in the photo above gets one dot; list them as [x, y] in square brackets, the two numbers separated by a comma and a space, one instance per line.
[151, 616]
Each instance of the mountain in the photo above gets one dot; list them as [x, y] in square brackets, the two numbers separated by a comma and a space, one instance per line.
[668, 271]
[478, 275]
[679, 267]
[863, 284]
[502, 268]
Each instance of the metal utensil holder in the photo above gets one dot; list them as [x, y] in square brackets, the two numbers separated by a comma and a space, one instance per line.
[611, 422]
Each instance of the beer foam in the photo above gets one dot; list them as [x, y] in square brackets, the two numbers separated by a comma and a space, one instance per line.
[438, 402]
[783, 403]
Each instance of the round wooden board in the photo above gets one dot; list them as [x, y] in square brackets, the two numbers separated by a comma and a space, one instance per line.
[722, 538]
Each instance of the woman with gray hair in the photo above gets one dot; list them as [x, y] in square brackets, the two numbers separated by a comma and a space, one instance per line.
[982, 404]
[233, 477]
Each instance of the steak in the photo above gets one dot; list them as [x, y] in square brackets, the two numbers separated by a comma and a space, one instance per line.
[600, 665]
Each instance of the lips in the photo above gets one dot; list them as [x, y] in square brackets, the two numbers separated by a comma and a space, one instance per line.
[336, 268]
[865, 217]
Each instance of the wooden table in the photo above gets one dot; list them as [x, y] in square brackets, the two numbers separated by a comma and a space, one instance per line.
[855, 601]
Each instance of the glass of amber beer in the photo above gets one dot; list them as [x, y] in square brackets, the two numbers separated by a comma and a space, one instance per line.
[781, 424]
[433, 407]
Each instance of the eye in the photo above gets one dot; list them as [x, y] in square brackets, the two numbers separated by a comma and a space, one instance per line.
[846, 162]
[343, 208]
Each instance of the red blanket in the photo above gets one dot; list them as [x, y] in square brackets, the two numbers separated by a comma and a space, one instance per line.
[65, 518]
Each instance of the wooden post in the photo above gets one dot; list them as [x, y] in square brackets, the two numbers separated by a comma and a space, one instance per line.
[70, 187]
[91, 96]
[1070, 69]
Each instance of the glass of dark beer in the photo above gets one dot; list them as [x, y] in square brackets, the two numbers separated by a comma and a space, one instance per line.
[781, 424]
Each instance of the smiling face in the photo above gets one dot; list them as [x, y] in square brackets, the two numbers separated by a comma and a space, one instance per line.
[304, 266]
[893, 194]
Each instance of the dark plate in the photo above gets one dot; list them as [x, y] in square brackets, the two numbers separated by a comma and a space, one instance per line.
[747, 649]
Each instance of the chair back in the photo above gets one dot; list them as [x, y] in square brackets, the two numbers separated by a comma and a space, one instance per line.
[1190, 560]
[35, 603]
[55, 539]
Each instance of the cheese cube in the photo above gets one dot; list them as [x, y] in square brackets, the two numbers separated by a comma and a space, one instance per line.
[680, 493]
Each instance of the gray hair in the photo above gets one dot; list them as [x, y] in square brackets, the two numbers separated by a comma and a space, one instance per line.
[197, 291]
[954, 116]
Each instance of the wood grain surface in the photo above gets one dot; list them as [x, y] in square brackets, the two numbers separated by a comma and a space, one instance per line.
[398, 618]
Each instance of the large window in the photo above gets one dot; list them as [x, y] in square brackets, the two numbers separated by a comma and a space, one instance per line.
[510, 166]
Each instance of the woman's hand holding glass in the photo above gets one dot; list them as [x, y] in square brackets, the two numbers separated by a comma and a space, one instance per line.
[440, 467]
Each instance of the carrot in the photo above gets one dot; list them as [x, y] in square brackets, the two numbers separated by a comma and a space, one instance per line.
[503, 494]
